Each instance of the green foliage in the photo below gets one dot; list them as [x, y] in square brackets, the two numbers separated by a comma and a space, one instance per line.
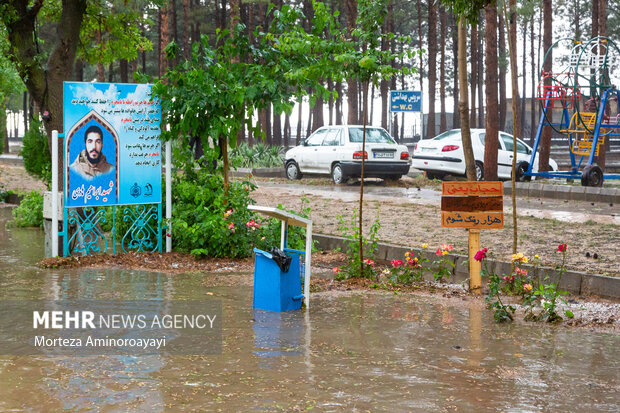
[407, 271]
[29, 213]
[542, 301]
[206, 224]
[257, 156]
[501, 312]
[36, 154]
[469, 9]
[119, 23]
[353, 265]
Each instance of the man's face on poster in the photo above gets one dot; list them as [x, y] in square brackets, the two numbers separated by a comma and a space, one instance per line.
[94, 143]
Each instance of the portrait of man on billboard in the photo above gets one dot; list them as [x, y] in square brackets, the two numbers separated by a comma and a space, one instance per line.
[91, 161]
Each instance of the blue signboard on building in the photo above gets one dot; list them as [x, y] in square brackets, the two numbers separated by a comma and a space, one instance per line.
[405, 101]
[112, 151]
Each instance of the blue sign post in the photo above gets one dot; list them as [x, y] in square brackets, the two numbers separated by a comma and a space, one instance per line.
[405, 101]
[112, 157]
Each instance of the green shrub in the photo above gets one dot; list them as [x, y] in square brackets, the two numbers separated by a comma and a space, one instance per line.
[258, 156]
[29, 213]
[36, 154]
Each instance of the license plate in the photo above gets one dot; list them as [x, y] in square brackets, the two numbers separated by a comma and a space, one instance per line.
[383, 154]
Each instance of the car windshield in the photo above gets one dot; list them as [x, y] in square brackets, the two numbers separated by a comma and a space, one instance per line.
[448, 134]
[373, 135]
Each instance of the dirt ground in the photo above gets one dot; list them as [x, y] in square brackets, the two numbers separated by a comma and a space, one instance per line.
[14, 178]
[413, 225]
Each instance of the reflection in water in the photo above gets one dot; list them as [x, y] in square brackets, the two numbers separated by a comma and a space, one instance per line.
[351, 351]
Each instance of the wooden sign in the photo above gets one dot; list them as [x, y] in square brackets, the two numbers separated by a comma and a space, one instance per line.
[472, 204]
[473, 188]
[472, 220]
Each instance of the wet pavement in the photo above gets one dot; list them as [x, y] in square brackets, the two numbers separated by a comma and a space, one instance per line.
[376, 190]
[370, 351]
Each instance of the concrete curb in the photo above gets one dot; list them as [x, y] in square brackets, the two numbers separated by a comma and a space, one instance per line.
[564, 192]
[575, 282]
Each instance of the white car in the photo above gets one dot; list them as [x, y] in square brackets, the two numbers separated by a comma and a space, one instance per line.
[443, 155]
[337, 151]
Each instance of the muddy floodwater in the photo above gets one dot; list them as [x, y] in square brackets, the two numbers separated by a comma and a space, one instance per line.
[352, 351]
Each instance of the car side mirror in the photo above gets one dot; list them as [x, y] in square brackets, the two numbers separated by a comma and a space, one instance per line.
[304, 142]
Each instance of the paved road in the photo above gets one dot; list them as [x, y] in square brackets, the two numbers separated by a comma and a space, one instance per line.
[569, 211]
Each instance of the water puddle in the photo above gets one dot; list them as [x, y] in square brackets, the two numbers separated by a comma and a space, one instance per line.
[350, 352]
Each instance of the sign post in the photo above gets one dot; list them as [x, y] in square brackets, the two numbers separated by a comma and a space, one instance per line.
[405, 101]
[472, 205]
[112, 158]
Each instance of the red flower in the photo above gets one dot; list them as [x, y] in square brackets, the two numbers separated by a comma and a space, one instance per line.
[561, 248]
[369, 262]
[480, 255]
[396, 263]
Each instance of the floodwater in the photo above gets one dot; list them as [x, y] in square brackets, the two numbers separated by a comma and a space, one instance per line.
[350, 352]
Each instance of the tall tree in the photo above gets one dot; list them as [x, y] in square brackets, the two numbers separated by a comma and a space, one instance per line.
[43, 76]
[474, 74]
[545, 144]
[492, 116]
[432, 66]
[512, 33]
[442, 70]
[352, 90]
[502, 62]
[455, 70]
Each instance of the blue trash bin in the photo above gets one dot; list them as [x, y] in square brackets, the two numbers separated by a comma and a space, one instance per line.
[275, 290]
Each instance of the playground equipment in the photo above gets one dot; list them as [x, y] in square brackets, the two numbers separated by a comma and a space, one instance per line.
[580, 95]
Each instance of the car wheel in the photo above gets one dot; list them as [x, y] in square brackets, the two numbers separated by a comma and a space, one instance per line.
[431, 175]
[292, 171]
[337, 175]
[592, 176]
[521, 169]
[479, 171]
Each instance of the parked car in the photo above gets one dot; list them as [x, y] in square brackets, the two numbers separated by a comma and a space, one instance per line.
[337, 151]
[443, 155]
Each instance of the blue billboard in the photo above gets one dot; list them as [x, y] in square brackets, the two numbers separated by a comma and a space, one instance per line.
[112, 151]
[405, 101]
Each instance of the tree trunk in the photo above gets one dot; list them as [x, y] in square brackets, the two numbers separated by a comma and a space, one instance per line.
[432, 66]
[173, 27]
[299, 121]
[111, 72]
[524, 84]
[492, 116]
[468, 151]
[330, 102]
[474, 75]
[124, 70]
[545, 144]
[339, 103]
[421, 69]
[187, 28]
[455, 70]
[287, 131]
[383, 87]
[516, 97]
[442, 71]
[480, 78]
[602, 31]
[4, 136]
[351, 8]
[361, 222]
[317, 114]
[164, 38]
[100, 68]
[78, 71]
[44, 79]
[533, 105]
[502, 73]
[277, 129]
